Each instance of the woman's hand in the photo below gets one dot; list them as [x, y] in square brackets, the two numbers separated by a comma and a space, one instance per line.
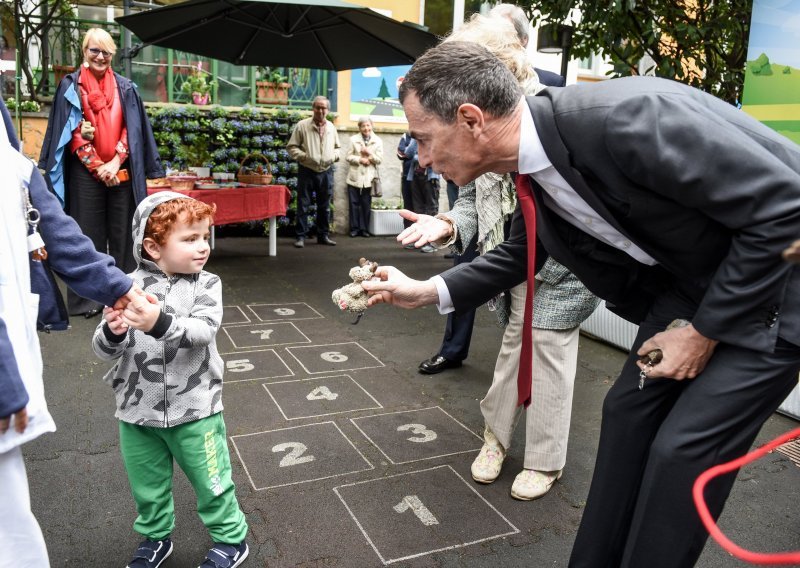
[108, 171]
[364, 161]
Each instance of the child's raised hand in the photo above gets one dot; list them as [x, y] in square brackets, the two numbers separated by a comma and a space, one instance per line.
[141, 314]
[114, 320]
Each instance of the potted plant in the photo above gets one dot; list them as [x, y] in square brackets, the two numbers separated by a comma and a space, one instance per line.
[272, 87]
[198, 156]
[198, 86]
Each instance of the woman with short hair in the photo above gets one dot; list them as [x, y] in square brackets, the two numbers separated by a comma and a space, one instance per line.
[97, 153]
[366, 152]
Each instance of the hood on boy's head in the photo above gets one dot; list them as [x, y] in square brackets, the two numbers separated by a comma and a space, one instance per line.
[142, 214]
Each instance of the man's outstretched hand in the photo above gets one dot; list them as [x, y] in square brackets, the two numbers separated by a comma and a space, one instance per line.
[390, 286]
[423, 230]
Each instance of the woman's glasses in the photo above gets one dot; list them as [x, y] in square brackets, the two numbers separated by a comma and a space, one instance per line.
[98, 52]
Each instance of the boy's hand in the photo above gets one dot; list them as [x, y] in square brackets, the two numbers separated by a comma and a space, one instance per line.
[114, 320]
[141, 314]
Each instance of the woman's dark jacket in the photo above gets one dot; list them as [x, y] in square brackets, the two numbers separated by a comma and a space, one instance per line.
[143, 161]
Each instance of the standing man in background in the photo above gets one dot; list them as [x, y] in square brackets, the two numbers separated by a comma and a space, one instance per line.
[314, 145]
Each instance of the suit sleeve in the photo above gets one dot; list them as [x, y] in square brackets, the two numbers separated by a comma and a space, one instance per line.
[474, 283]
[679, 149]
[71, 254]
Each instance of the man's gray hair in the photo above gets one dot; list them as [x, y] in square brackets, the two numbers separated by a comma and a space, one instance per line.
[517, 17]
[321, 99]
[459, 72]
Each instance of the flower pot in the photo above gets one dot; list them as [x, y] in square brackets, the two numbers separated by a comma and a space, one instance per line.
[199, 99]
[385, 222]
[270, 93]
[201, 171]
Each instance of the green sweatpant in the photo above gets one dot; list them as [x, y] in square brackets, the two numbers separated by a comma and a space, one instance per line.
[201, 450]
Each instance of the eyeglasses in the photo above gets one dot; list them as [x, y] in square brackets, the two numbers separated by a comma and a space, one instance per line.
[97, 52]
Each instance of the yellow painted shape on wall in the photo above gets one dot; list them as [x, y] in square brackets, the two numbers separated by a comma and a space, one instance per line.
[773, 112]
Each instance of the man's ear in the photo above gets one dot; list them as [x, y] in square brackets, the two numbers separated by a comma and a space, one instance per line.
[152, 248]
[470, 117]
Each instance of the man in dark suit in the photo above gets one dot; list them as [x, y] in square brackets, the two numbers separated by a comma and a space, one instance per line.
[668, 203]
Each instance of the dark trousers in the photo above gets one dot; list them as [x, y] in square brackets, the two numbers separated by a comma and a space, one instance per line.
[104, 214]
[360, 200]
[408, 203]
[656, 441]
[317, 185]
[424, 195]
[452, 194]
[458, 330]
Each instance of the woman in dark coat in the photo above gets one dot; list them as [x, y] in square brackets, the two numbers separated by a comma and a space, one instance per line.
[97, 153]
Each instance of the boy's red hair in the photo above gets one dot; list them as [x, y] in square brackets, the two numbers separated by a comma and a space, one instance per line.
[165, 215]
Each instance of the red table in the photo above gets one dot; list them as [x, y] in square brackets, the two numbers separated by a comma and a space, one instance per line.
[240, 204]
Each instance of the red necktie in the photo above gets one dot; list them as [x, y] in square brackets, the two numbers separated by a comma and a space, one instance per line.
[524, 377]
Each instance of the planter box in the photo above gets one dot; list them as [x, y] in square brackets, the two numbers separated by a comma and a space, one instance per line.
[611, 328]
[272, 93]
[621, 333]
[385, 222]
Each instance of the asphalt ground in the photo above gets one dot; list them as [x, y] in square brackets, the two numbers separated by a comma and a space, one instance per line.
[320, 416]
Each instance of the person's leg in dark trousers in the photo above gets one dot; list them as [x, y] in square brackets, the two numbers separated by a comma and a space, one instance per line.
[121, 207]
[88, 202]
[408, 202]
[354, 203]
[366, 208]
[419, 190]
[431, 196]
[452, 194]
[305, 181]
[458, 330]
[323, 185]
[654, 443]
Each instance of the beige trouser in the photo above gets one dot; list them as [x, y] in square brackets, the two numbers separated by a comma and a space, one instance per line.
[555, 354]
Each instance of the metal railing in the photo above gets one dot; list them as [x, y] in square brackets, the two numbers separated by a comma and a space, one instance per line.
[159, 72]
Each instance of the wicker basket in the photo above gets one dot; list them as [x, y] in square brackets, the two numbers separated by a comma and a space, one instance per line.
[255, 179]
[182, 183]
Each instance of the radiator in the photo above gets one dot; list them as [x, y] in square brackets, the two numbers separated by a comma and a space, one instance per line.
[621, 333]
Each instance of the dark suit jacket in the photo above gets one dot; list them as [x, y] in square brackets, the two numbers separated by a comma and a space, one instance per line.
[704, 189]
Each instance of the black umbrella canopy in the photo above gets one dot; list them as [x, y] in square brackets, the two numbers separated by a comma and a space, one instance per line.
[316, 34]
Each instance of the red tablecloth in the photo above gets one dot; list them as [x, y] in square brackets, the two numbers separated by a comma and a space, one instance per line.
[239, 204]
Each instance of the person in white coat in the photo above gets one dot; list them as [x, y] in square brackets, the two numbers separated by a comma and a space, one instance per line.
[23, 409]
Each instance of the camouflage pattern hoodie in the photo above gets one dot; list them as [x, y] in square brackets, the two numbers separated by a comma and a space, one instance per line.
[172, 374]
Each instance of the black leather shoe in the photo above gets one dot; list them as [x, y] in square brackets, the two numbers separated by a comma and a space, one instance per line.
[437, 364]
[326, 241]
[365, 234]
[91, 313]
[353, 233]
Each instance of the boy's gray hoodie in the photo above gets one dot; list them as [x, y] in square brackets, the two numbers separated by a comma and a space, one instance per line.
[173, 373]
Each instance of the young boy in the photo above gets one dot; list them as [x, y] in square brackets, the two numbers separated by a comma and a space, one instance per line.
[168, 381]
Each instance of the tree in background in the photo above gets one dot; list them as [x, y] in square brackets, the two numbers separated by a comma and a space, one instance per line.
[383, 92]
[702, 43]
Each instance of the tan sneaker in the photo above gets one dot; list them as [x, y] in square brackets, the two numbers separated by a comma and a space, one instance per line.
[531, 484]
[489, 462]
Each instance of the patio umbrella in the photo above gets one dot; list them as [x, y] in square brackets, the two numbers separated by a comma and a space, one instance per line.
[316, 34]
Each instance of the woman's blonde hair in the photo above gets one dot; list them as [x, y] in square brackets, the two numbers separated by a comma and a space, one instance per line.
[499, 37]
[102, 38]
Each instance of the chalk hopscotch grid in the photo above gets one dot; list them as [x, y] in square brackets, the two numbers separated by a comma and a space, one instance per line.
[250, 477]
[388, 561]
[353, 420]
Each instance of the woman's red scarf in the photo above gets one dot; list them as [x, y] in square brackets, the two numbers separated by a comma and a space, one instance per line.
[101, 107]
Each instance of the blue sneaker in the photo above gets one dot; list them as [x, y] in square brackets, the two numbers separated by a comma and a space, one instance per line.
[226, 555]
[151, 553]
